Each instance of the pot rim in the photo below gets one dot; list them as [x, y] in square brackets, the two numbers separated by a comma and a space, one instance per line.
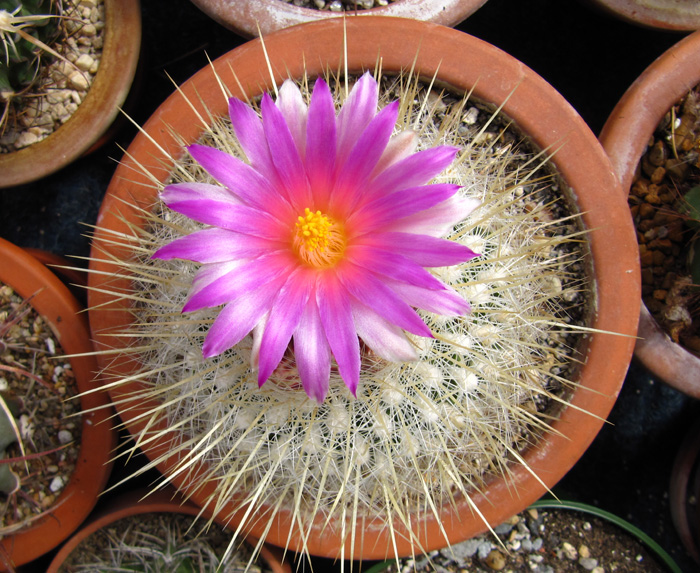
[53, 300]
[539, 111]
[141, 502]
[678, 16]
[624, 137]
[251, 18]
[99, 109]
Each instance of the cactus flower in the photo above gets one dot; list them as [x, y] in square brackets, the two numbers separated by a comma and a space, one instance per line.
[322, 236]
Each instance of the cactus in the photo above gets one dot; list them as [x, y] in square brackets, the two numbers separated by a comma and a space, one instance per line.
[27, 28]
[10, 407]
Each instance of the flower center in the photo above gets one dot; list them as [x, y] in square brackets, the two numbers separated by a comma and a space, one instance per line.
[319, 239]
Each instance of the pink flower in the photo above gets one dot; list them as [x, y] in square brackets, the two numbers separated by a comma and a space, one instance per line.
[322, 236]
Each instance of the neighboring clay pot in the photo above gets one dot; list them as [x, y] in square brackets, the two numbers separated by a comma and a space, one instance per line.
[140, 503]
[27, 276]
[625, 136]
[684, 489]
[678, 15]
[98, 111]
[465, 63]
[251, 18]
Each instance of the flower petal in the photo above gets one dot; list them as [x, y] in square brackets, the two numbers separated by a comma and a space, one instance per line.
[321, 144]
[374, 293]
[285, 155]
[291, 104]
[417, 169]
[250, 134]
[239, 281]
[446, 302]
[237, 319]
[285, 315]
[439, 220]
[391, 208]
[392, 265]
[215, 245]
[239, 177]
[357, 111]
[336, 317]
[312, 352]
[400, 146]
[351, 183]
[424, 250]
[384, 338]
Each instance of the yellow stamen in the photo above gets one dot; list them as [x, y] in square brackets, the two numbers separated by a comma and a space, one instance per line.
[319, 239]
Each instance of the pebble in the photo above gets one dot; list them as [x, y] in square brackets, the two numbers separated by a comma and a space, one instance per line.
[496, 560]
[588, 563]
[65, 437]
[56, 484]
[569, 551]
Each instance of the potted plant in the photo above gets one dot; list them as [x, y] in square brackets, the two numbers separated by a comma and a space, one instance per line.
[74, 133]
[157, 532]
[625, 137]
[250, 19]
[305, 472]
[56, 499]
[676, 15]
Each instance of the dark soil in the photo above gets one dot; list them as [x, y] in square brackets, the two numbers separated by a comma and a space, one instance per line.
[544, 541]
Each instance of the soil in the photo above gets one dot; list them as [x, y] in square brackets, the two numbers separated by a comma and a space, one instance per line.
[159, 542]
[669, 168]
[543, 541]
[31, 369]
[51, 101]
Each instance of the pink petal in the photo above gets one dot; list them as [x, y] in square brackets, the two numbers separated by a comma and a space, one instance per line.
[400, 146]
[424, 250]
[351, 182]
[414, 170]
[336, 317]
[215, 245]
[239, 281]
[180, 192]
[239, 177]
[237, 319]
[284, 318]
[285, 155]
[398, 205]
[384, 338]
[228, 215]
[357, 111]
[291, 104]
[374, 293]
[439, 220]
[312, 352]
[446, 302]
[249, 131]
[392, 265]
[320, 143]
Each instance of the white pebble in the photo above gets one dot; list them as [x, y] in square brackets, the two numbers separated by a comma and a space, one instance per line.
[56, 484]
[78, 81]
[65, 437]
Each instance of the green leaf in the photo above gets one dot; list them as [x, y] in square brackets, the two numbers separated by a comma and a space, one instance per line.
[690, 207]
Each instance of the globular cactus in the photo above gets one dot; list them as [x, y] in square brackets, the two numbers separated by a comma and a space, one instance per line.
[27, 28]
[10, 407]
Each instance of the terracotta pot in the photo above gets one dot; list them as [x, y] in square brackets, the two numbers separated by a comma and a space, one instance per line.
[463, 62]
[98, 111]
[250, 18]
[683, 490]
[142, 502]
[625, 136]
[678, 15]
[53, 300]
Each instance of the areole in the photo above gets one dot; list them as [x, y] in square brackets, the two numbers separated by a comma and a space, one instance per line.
[537, 110]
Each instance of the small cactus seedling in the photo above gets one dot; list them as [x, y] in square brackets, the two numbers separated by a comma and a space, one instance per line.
[27, 28]
[10, 407]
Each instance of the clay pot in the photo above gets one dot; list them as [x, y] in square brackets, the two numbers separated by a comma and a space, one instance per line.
[625, 136]
[27, 276]
[140, 503]
[251, 18]
[98, 111]
[678, 15]
[463, 62]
